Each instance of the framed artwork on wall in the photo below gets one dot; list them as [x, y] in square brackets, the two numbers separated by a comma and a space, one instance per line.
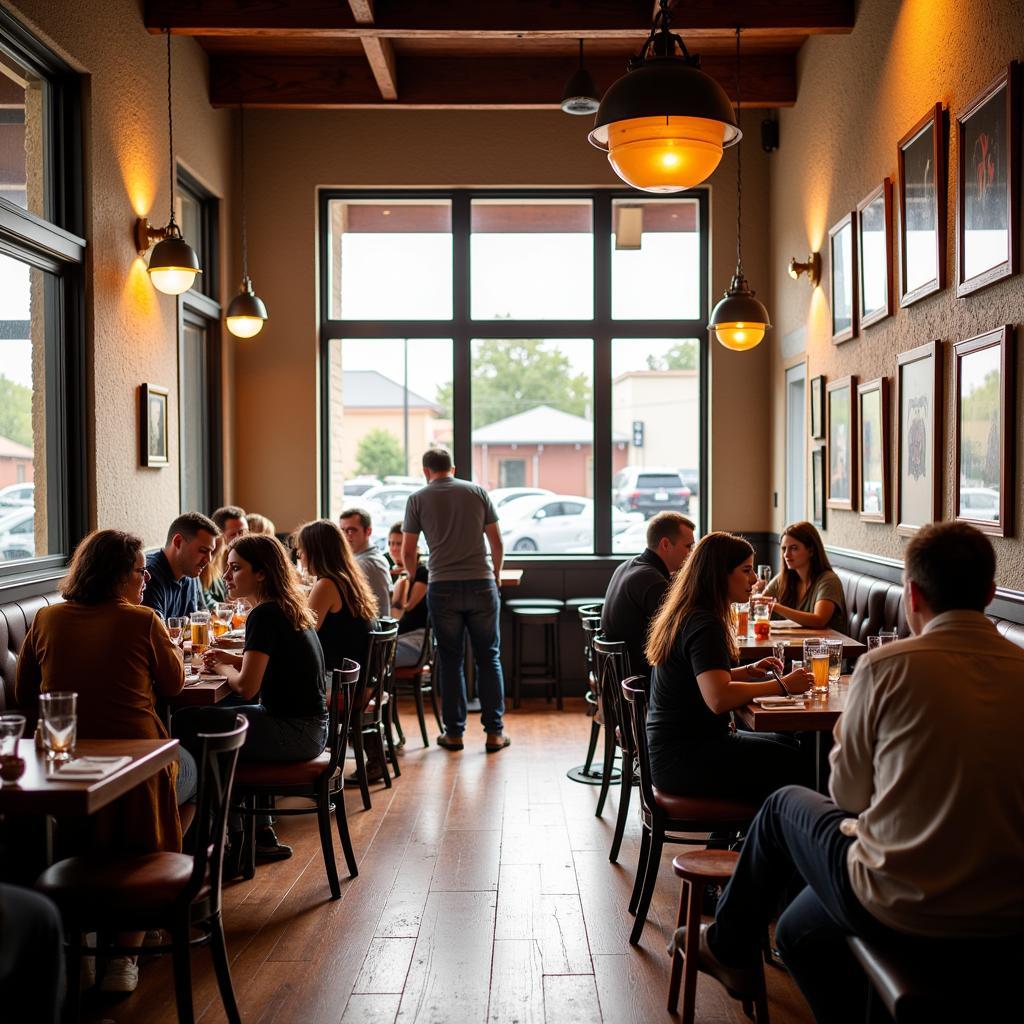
[983, 440]
[153, 433]
[921, 155]
[918, 437]
[873, 450]
[841, 443]
[817, 408]
[842, 253]
[874, 255]
[987, 184]
[818, 468]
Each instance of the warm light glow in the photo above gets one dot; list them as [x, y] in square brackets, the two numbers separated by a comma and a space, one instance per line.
[740, 337]
[172, 280]
[245, 326]
[658, 154]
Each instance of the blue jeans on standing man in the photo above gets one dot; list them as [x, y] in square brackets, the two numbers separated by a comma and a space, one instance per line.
[458, 606]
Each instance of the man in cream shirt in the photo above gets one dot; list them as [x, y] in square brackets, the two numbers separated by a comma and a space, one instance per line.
[924, 834]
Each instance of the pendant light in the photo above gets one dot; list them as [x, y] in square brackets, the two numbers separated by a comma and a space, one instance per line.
[246, 315]
[173, 264]
[580, 95]
[739, 320]
[665, 122]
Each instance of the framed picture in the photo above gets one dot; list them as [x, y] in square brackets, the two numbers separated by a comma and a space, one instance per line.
[873, 464]
[987, 185]
[153, 425]
[818, 467]
[921, 154]
[817, 408]
[984, 431]
[874, 255]
[842, 252]
[842, 443]
[918, 437]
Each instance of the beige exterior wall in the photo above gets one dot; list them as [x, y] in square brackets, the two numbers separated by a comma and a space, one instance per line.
[668, 403]
[858, 95]
[357, 423]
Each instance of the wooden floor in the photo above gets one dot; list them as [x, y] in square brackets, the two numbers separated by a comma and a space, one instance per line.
[484, 894]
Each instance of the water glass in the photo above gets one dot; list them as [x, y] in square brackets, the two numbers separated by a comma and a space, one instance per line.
[764, 573]
[11, 729]
[58, 713]
[887, 636]
[176, 626]
[779, 651]
[874, 642]
[835, 661]
[816, 660]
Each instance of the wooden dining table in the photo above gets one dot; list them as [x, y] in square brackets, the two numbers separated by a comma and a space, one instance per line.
[751, 649]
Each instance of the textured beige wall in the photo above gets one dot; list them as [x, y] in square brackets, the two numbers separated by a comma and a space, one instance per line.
[131, 327]
[858, 95]
[294, 152]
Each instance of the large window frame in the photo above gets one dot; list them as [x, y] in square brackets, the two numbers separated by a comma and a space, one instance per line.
[462, 329]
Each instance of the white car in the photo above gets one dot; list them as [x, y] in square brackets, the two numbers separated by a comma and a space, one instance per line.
[359, 485]
[18, 534]
[557, 523]
[17, 495]
[502, 497]
[980, 503]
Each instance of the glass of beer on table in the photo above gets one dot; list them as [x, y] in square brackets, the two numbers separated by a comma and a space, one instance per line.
[222, 615]
[740, 613]
[240, 614]
[816, 662]
[200, 623]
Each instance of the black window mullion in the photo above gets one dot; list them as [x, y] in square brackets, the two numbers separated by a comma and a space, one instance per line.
[602, 481]
[462, 391]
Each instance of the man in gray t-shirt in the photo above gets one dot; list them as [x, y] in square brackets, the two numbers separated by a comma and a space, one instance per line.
[462, 594]
[357, 526]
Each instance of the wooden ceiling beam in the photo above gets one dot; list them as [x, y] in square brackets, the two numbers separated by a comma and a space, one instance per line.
[769, 80]
[380, 53]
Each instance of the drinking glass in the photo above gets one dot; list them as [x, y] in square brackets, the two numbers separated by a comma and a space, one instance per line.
[816, 660]
[764, 573]
[887, 636]
[779, 651]
[240, 614]
[58, 712]
[835, 661]
[200, 622]
[740, 613]
[222, 615]
[874, 642]
[11, 729]
[761, 613]
[176, 628]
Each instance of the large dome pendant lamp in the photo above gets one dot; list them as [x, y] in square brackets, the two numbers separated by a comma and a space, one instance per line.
[739, 320]
[173, 264]
[246, 315]
[664, 123]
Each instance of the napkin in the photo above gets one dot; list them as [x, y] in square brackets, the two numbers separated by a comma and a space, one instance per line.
[89, 768]
[779, 703]
[786, 624]
[204, 678]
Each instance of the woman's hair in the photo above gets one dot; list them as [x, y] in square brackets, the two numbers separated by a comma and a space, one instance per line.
[100, 564]
[702, 584]
[280, 582]
[328, 556]
[789, 586]
[397, 528]
[214, 568]
[260, 525]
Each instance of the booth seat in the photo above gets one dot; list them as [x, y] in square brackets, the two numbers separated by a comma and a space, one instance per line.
[15, 619]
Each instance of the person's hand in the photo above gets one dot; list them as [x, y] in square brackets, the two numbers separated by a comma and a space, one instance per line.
[759, 586]
[766, 666]
[214, 657]
[798, 681]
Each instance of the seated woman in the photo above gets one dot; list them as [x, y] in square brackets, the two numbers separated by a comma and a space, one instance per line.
[115, 653]
[260, 525]
[408, 603]
[695, 684]
[807, 590]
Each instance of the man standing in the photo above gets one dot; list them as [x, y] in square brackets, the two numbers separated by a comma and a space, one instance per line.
[462, 593]
[357, 526]
[923, 835]
[638, 585]
[173, 587]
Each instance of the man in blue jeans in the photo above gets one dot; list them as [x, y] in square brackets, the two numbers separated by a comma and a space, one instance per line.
[462, 595]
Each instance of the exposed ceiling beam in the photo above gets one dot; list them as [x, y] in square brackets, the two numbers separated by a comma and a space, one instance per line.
[380, 53]
[769, 80]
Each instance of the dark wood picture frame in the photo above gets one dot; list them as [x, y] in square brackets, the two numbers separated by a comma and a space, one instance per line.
[817, 399]
[1006, 82]
[844, 224]
[933, 122]
[819, 469]
[881, 194]
[933, 446]
[1001, 338]
[873, 511]
[847, 451]
[154, 432]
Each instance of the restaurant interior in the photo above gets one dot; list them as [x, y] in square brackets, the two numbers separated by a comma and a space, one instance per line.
[257, 258]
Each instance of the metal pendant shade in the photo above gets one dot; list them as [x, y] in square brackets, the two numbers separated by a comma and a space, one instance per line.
[580, 94]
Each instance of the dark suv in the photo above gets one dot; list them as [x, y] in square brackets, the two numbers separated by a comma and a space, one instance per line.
[650, 489]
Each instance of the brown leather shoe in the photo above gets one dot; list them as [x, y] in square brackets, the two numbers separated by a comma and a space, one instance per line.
[496, 741]
[450, 742]
[739, 982]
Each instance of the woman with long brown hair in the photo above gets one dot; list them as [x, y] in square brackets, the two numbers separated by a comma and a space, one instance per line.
[695, 684]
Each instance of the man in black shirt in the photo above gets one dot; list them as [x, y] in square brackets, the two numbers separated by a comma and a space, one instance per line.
[173, 585]
[638, 585]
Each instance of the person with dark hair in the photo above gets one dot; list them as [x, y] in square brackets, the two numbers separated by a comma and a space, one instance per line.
[357, 526]
[31, 956]
[174, 570]
[638, 585]
[408, 602]
[695, 684]
[232, 522]
[923, 835]
[116, 654]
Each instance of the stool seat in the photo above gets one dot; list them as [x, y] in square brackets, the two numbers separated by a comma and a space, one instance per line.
[706, 865]
[282, 773]
[698, 808]
[538, 616]
[583, 602]
[534, 602]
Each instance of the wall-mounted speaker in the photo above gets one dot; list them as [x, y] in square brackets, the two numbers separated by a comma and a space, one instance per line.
[769, 135]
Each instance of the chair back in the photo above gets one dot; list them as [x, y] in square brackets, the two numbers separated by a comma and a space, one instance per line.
[344, 681]
[376, 677]
[590, 611]
[611, 666]
[634, 701]
[591, 629]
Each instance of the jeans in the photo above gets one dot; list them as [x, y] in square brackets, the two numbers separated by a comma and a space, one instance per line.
[31, 956]
[455, 608]
[410, 646]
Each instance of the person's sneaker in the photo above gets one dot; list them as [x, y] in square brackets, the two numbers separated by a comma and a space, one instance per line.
[268, 847]
[122, 975]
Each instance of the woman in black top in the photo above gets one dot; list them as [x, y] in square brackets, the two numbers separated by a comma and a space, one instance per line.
[694, 685]
[408, 603]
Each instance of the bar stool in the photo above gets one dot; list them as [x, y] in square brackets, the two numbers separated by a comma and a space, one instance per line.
[546, 671]
[535, 602]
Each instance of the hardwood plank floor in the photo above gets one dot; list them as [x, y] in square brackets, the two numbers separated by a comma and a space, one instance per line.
[484, 894]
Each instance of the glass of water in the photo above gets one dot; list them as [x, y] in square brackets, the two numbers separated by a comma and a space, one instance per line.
[779, 651]
[835, 661]
[887, 636]
[58, 713]
[874, 642]
[11, 729]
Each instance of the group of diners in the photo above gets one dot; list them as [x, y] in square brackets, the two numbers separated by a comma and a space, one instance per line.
[921, 835]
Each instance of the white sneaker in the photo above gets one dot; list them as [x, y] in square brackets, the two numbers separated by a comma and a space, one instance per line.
[122, 975]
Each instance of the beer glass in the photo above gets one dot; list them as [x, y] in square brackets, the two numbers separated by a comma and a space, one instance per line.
[816, 662]
[740, 612]
[222, 615]
[200, 623]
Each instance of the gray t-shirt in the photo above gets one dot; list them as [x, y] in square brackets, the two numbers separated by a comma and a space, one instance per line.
[378, 574]
[452, 514]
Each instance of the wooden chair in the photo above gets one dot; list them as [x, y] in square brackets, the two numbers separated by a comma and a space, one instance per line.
[418, 680]
[664, 813]
[372, 695]
[174, 891]
[320, 780]
[611, 666]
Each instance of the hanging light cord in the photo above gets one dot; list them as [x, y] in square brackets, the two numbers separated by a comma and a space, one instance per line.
[581, 53]
[739, 169]
[170, 127]
[245, 243]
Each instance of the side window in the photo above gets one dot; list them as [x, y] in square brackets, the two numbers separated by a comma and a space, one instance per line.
[572, 508]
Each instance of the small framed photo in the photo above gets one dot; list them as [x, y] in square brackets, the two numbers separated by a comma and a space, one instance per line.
[817, 408]
[921, 155]
[983, 440]
[842, 443]
[918, 437]
[842, 252]
[874, 255]
[988, 184]
[818, 469]
[153, 425]
[873, 465]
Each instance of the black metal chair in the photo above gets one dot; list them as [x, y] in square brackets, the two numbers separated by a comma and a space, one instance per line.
[611, 666]
[591, 630]
[174, 891]
[371, 697]
[320, 780]
[418, 680]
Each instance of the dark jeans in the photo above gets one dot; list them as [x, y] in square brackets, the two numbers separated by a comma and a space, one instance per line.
[455, 608]
[795, 845]
[31, 957]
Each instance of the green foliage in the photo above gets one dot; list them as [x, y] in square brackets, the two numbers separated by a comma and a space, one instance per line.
[15, 411]
[380, 454]
[681, 356]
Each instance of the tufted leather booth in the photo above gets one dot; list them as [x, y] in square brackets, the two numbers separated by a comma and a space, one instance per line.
[15, 618]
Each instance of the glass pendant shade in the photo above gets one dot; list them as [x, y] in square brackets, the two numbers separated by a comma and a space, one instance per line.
[173, 265]
[247, 314]
[740, 320]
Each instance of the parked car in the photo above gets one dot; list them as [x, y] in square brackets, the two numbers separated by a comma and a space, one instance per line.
[555, 524]
[691, 479]
[504, 496]
[979, 503]
[18, 534]
[17, 495]
[413, 481]
[359, 485]
[650, 489]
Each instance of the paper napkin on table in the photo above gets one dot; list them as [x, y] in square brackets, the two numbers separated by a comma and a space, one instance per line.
[89, 768]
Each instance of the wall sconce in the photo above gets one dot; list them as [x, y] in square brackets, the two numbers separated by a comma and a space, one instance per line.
[812, 268]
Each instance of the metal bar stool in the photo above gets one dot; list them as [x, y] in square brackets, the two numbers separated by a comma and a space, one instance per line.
[544, 672]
